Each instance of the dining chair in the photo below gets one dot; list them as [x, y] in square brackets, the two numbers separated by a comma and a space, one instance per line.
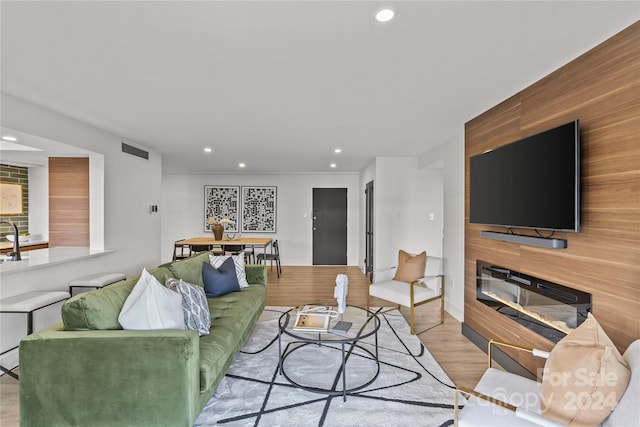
[250, 255]
[180, 251]
[239, 249]
[200, 248]
[274, 256]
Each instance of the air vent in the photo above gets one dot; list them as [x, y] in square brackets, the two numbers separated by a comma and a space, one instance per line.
[126, 148]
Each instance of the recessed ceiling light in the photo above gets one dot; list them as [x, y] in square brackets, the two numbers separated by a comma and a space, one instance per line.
[9, 138]
[241, 165]
[208, 149]
[337, 150]
[333, 165]
[384, 15]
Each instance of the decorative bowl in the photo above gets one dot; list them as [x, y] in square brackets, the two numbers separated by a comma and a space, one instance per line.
[21, 239]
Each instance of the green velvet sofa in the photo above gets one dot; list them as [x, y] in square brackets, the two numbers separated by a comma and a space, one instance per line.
[87, 371]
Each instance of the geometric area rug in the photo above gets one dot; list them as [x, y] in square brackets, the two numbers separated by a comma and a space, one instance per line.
[410, 390]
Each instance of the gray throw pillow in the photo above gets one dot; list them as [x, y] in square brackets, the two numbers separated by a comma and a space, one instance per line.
[194, 305]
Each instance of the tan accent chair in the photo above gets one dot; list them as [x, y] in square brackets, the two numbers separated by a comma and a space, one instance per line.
[428, 288]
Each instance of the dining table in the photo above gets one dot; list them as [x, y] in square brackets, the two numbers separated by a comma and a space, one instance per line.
[254, 242]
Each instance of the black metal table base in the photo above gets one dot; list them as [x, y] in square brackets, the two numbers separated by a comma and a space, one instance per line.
[292, 347]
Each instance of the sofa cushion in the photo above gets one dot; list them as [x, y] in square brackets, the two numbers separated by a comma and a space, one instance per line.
[220, 281]
[398, 292]
[410, 267]
[151, 306]
[232, 318]
[194, 305]
[160, 273]
[99, 309]
[584, 377]
[190, 269]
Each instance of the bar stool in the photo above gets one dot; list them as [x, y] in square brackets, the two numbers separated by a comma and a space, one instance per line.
[27, 303]
[94, 281]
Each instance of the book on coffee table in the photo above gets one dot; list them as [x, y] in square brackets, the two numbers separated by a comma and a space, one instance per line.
[313, 319]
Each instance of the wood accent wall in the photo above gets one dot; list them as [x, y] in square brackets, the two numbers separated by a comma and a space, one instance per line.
[68, 201]
[601, 88]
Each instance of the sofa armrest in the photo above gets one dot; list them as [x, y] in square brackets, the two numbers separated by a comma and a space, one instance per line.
[109, 377]
[256, 274]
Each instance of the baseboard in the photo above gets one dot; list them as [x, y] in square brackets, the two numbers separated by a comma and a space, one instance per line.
[453, 310]
[502, 358]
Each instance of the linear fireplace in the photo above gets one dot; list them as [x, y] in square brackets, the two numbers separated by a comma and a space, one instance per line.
[547, 308]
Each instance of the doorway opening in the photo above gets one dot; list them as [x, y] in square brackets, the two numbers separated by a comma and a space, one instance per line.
[368, 238]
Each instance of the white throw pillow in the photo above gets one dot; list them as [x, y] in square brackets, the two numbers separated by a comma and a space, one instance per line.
[217, 260]
[151, 306]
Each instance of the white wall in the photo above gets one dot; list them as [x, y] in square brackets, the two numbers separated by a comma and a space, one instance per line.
[130, 184]
[39, 201]
[404, 197]
[182, 210]
[451, 154]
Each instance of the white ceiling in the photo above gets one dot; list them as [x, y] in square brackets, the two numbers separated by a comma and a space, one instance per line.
[279, 85]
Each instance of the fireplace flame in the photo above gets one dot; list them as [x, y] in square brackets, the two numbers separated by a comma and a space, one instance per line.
[531, 312]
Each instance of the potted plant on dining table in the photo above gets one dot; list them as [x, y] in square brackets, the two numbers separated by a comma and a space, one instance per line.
[218, 226]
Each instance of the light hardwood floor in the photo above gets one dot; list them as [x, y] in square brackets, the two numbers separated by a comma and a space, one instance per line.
[461, 360]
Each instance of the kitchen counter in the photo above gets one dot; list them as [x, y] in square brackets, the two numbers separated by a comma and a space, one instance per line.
[46, 257]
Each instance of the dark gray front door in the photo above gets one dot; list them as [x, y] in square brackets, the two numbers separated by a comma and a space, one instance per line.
[329, 226]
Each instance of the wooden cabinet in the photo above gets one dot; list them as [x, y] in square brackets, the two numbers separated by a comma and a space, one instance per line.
[8, 246]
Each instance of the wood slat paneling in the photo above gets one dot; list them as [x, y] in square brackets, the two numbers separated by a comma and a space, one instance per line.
[68, 201]
[601, 89]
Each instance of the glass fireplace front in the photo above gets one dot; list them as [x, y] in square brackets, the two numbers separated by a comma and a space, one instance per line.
[547, 308]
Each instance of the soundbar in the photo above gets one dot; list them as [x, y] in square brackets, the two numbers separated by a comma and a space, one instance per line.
[525, 240]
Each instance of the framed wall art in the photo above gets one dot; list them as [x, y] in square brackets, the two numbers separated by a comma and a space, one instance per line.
[222, 201]
[259, 209]
[10, 198]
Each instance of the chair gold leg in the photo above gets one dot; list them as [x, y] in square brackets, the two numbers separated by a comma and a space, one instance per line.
[411, 309]
[455, 408]
[411, 321]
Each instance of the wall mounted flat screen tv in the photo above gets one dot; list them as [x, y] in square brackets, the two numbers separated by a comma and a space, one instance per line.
[531, 183]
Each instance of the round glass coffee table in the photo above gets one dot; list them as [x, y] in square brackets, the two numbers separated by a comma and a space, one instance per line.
[308, 360]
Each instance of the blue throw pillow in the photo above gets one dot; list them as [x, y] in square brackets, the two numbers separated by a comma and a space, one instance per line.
[220, 281]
